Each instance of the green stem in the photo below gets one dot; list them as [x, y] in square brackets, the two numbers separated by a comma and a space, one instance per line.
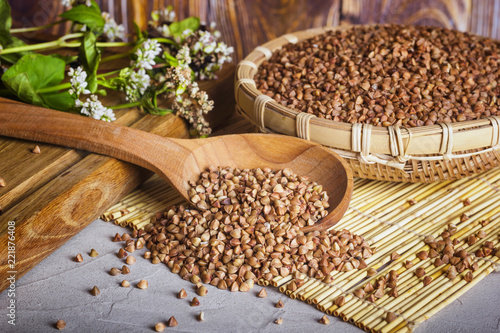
[113, 44]
[166, 40]
[20, 30]
[61, 42]
[67, 85]
[126, 105]
[109, 73]
[55, 88]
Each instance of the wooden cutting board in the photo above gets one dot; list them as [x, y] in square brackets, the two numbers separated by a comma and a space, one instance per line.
[53, 195]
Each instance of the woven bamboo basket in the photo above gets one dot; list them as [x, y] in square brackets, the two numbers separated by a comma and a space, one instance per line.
[419, 154]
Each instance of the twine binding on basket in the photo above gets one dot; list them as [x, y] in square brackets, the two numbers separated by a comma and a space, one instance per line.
[259, 109]
[361, 134]
[361, 140]
[302, 125]
[265, 51]
[446, 141]
[238, 84]
[248, 63]
[291, 38]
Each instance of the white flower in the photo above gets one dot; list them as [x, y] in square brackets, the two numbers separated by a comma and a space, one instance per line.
[147, 53]
[93, 108]
[66, 3]
[194, 90]
[78, 81]
[209, 48]
[136, 83]
[112, 30]
[186, 33]
[169, 15]
[140, 80]
[180, 74]
[164, 30]
[213, 25]
[183, 55]
[205, 37]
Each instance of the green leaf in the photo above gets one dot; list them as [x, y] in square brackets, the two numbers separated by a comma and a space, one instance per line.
[58, 100]
[13, 57]
[171, 60]
[6, 39]
[23, 88]
[5, 23]
[138, 34]
[34, 72]
[90, 16]
[191, 23]
[90, 56]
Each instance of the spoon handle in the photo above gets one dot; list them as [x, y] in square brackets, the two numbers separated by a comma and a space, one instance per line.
[34, 123]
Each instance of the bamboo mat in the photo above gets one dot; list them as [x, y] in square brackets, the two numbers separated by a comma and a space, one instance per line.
[393, 217]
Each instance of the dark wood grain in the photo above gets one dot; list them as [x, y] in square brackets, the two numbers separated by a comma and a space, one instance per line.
[247, 24]
[442, 13]
[485, 18]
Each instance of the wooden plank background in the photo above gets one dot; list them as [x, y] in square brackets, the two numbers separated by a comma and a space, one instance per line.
[246, 24]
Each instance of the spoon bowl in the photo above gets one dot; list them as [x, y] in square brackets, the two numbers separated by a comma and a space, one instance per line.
[181, 160]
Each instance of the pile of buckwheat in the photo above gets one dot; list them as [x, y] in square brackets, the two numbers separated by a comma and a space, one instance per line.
[387, 75]
[244, 225]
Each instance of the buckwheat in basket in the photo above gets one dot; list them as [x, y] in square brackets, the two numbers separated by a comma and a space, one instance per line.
[427, 151]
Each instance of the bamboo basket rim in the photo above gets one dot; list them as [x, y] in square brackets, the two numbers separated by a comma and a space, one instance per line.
[392, 146]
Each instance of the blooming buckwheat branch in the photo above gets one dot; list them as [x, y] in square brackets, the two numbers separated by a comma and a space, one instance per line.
[78, 82]
[111, 29]
[93, 108]
[146, 54]
[134, 83]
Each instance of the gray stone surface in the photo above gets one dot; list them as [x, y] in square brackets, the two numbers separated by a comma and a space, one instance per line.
[58, 288]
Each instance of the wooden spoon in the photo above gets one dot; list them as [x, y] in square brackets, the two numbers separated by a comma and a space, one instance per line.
[180, 160]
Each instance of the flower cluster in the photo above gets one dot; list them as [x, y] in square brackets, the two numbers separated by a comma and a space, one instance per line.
[134, 83]
[112, 30]
[207, 52]
[164, 62]
[193, 107]
[188, 101]
[78, 81]
[146, 54]
[166, 16]
[92, 107]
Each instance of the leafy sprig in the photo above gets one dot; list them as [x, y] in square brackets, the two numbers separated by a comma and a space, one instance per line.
[164, 62]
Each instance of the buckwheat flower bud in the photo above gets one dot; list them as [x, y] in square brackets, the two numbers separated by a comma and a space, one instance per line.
[111, 29]
[78, 81]
[147, 53]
